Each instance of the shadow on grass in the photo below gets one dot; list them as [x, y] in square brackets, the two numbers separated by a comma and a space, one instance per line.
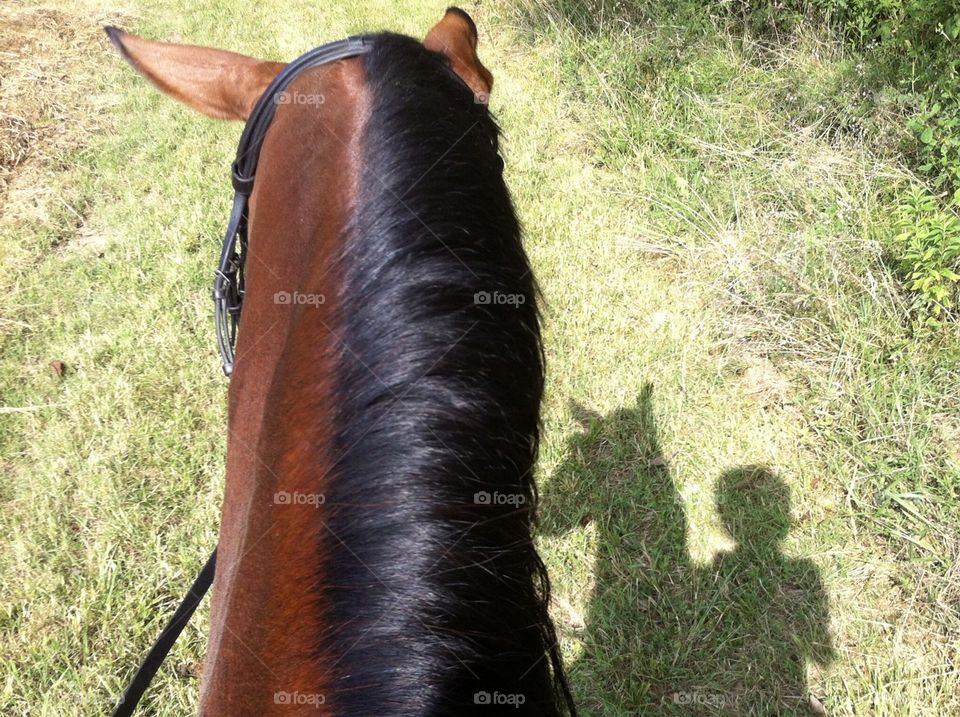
[661, 635]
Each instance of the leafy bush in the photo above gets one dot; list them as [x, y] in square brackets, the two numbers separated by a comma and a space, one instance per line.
[936, 126]
[913, 47]
[917, 42]
[913, 44]
[928, 239]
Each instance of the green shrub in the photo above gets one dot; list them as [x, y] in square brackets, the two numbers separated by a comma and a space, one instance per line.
[936, 126]
[928, 255]
[912, 47]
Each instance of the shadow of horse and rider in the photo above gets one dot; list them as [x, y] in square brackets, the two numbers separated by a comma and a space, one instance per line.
[662, 635]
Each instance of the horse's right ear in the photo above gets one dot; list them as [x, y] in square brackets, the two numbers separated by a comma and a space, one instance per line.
[221, 84]
[455, 37]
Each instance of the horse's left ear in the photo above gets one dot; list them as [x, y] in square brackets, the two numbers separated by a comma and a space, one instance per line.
[455, 36]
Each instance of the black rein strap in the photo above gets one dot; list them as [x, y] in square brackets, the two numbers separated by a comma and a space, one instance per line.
[151, 663]
[228, 292]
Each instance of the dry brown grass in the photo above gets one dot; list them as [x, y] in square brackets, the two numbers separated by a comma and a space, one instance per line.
[47, 65]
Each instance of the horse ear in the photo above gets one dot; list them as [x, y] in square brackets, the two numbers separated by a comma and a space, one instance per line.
[455, 37]
[220, 84]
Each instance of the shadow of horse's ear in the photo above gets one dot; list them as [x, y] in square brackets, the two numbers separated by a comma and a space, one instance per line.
[585, 417]
[455, 37]
[220, 84]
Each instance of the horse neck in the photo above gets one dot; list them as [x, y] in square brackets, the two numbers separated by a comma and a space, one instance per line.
[264, 624]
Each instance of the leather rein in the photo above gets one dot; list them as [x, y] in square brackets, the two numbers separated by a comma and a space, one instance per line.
[228, 290]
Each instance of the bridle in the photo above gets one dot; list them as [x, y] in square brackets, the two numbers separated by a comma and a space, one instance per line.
[228, 280]
[228, 292]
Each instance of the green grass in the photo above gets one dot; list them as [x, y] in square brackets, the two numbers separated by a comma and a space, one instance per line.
[750, 474]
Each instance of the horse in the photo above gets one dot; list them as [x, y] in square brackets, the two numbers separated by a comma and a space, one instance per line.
[375, 555]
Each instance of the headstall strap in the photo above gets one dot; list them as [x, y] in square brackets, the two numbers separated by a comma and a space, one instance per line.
[228, 286]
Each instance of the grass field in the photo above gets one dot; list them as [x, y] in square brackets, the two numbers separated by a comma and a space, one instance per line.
[750, 475]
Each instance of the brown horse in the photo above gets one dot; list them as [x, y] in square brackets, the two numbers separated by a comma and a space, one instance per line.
[375, 554]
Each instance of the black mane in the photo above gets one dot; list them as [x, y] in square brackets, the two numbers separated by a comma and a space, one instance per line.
[435, 598]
